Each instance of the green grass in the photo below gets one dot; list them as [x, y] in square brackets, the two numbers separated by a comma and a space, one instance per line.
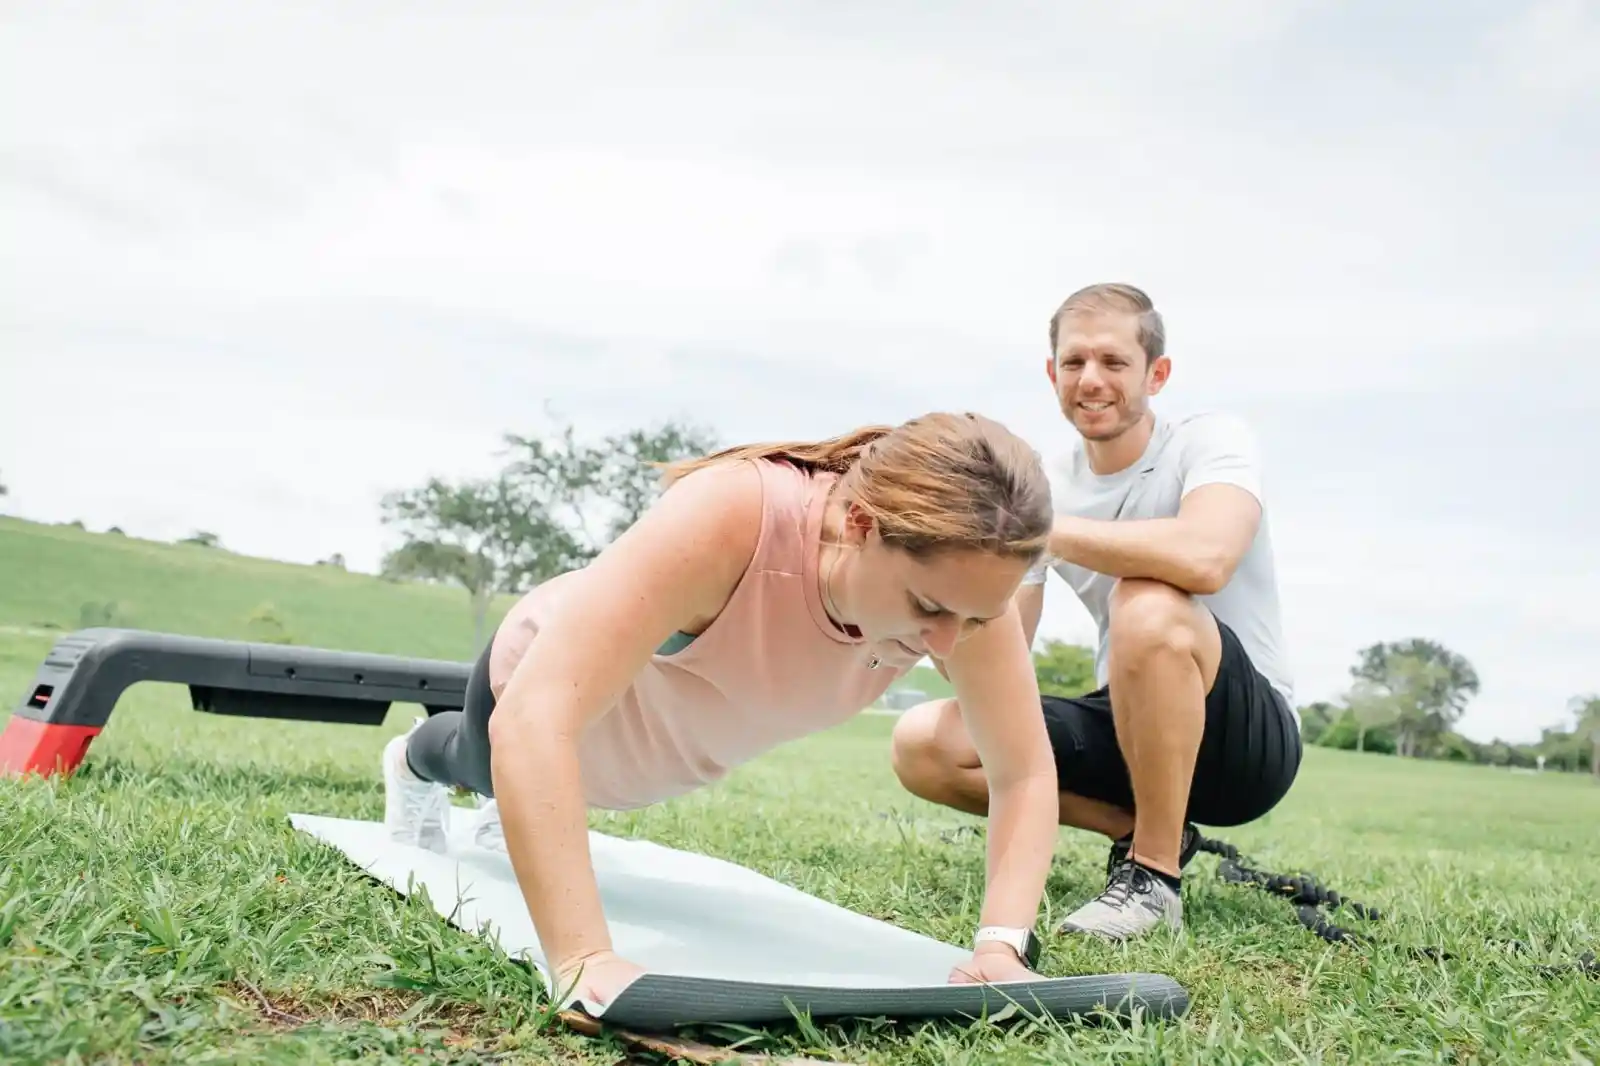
[158, 908]
[927, 680]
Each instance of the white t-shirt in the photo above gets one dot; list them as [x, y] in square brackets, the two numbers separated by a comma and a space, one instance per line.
[1183, 454]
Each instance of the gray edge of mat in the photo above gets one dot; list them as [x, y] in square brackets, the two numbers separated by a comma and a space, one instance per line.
[664, 1001]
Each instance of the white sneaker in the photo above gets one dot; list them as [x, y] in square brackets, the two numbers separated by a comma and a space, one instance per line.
[415, 811]
[489, 833]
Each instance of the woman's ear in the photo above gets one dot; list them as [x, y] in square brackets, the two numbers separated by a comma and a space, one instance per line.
[858, 525]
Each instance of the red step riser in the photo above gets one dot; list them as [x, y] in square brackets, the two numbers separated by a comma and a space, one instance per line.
[45, 748]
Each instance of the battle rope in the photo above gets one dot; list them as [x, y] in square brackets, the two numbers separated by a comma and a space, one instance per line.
[1310, 897]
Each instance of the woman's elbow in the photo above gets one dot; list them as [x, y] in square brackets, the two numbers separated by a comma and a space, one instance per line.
[512, 729]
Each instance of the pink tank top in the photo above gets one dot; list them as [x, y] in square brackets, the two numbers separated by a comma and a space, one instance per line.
[771, 668]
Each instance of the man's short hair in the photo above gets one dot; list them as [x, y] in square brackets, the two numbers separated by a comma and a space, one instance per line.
[1114, 296]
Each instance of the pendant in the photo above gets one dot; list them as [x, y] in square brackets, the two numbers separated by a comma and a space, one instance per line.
[874, 662]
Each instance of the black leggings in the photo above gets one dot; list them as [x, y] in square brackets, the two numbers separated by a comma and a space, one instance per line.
[452, 747]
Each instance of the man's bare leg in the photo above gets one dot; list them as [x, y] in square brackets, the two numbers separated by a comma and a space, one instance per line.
[935, 760]
[1163, 659]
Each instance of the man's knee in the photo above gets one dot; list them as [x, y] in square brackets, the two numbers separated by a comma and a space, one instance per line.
[928, 744]
[1152, 619]
[1148, 615]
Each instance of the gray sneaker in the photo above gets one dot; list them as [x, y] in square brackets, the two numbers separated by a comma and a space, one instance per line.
[1134, 903]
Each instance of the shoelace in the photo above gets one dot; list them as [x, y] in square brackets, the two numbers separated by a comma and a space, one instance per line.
[1125, 882]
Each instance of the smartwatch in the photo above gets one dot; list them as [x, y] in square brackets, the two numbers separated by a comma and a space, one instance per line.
[1022, 941]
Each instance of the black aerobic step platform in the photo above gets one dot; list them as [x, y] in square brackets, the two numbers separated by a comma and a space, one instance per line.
[86, 672]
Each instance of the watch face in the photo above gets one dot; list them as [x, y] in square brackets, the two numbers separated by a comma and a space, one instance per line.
[1030, 949]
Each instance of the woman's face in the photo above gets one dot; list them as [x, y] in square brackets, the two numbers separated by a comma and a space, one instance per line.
[909, 607]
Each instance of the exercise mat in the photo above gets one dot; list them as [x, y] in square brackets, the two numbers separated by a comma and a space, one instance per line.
[722, 943]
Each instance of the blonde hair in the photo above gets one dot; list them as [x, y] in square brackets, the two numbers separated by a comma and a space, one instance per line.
[940, 482]
[1115, 296]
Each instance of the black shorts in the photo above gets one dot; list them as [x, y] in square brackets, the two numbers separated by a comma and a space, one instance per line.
[1249, 754]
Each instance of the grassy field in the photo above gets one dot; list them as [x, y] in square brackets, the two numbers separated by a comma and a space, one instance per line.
[158, 908]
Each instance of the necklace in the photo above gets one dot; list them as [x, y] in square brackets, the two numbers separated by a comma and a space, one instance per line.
[827, 595]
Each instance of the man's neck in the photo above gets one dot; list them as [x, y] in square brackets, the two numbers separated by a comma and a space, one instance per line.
[1122, 451]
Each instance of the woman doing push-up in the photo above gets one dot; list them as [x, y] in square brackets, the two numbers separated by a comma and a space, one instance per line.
[771, 592]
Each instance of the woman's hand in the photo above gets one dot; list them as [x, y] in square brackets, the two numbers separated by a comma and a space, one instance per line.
[601, 977]
[992, 964]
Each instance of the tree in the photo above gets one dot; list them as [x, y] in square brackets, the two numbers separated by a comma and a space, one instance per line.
[1433, 683]
[1504, 753]
[555, 504]
[1064, 669]
[1414, 683]
[1371, 704]
[1586, 726]
[603, 488]
[630, 471]
[1315, 719]
[484, 535]
[1345, 732]
[1560, 747]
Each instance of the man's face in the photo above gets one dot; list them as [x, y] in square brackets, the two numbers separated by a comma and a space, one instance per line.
[1102, 378]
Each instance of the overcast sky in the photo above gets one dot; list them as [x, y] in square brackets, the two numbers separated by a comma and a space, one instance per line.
[356, 242]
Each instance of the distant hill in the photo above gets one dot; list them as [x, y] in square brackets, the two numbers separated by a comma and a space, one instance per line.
[60, 578]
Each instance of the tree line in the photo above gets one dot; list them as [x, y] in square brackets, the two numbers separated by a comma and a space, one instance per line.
[557, 500]
[1405, 698]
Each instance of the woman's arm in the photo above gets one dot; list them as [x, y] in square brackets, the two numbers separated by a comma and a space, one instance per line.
[998, 693]
[673, 569]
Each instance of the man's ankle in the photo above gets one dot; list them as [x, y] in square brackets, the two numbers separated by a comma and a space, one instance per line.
[1157, 864]
[1173, 881]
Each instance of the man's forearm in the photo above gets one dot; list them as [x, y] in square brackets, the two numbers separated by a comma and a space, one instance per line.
[1163, 549]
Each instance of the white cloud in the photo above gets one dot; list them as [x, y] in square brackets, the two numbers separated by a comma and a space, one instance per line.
[361, 244]
[1548, 52]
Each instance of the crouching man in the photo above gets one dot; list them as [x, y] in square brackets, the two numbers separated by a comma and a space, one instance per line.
[1161, 532]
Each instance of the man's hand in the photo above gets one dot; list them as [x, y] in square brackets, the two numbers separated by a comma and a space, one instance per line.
[992, 964]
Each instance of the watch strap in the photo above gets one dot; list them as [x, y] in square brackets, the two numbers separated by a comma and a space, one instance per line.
[1022, 941]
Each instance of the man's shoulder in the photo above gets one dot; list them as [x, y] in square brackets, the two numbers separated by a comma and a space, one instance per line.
[1192, 425]
[1200, 436]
